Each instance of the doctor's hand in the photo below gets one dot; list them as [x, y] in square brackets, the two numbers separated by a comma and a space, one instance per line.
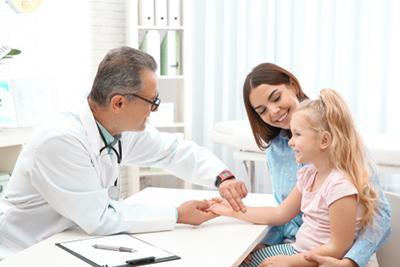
[325, 261]
[233, 191]
[194, 212]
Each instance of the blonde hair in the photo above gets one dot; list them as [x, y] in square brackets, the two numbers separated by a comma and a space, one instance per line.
[330, 113]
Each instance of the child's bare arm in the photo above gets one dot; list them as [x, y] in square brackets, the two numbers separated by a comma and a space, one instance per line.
[287, 210]
[342, 217]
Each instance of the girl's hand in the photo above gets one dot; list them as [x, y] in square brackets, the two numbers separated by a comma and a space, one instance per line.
[276, 261]
[221, 206]
[214, 200]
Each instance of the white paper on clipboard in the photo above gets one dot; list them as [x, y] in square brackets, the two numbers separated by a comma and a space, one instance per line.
[84, 250]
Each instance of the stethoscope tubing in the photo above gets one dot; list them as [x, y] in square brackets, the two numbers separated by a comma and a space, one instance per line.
[109, 146]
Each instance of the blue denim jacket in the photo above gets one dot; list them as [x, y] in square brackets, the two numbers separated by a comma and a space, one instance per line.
[283, 171]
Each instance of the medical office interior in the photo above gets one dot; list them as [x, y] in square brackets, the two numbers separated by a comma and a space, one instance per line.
[204, 50]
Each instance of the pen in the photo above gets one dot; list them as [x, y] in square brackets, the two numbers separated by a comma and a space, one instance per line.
[141, 261]
[115, 248]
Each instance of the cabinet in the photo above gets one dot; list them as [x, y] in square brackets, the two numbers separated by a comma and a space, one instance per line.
[173, 85]
[11, 142]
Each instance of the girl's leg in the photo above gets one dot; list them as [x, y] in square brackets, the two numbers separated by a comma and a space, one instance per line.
[261, 254]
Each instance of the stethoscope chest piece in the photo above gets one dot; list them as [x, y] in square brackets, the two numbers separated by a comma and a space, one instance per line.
[113, 192]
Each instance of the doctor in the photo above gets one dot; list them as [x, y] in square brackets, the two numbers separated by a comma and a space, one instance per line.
[68, 175]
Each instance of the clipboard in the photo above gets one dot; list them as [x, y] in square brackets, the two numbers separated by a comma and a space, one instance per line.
[142, 252]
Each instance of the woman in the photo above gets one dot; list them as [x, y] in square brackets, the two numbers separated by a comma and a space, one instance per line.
[271, 94]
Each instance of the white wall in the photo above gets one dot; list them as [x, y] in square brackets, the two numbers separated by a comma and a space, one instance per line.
[62, 43]
[107, 27]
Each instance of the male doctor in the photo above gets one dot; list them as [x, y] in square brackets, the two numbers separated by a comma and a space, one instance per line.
[68, 175]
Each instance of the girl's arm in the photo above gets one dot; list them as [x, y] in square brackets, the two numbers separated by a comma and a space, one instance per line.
[342, 217]
[282, 214]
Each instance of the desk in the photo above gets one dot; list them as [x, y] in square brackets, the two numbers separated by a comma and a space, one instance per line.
[220, 242]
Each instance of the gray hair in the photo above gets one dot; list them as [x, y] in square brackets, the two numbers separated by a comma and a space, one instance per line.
[119, 73]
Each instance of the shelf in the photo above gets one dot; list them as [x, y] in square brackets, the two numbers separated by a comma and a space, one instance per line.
[174, 88]
[166, 28]
[166, 77]
[152, 172]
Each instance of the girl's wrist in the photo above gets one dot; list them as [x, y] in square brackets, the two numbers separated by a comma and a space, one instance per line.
[236, 214]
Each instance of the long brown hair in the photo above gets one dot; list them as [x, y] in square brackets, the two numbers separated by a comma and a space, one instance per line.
[347, 152]
[266, 73]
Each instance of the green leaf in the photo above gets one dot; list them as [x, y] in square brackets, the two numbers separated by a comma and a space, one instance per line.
[14, 52]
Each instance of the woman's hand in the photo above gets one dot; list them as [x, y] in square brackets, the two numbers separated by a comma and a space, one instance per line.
[325, 261]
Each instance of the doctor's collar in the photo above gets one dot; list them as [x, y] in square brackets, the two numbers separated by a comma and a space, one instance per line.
[109, 139]
[109, 142]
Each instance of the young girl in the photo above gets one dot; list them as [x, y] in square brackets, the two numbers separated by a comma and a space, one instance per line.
[333, 191]
[271, 94]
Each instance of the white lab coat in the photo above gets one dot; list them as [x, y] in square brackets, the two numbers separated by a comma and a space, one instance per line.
[61, 181]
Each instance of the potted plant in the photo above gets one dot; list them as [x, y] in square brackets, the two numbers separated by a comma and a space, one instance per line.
[7, 52]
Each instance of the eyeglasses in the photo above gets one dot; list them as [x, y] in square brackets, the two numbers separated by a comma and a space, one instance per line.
[155, 103]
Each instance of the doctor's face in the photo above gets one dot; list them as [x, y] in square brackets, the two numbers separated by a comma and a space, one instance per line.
[274, 104]
[139, 108]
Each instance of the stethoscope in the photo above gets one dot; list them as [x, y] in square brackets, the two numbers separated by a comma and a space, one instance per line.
[114, 191]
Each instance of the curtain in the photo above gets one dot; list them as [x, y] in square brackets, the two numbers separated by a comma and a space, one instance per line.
[351, 46]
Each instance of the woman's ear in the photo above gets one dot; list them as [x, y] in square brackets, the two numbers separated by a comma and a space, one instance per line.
[326, 140]
[294, 87]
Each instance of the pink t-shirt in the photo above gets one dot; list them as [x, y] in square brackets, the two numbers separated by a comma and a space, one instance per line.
[315, 230]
